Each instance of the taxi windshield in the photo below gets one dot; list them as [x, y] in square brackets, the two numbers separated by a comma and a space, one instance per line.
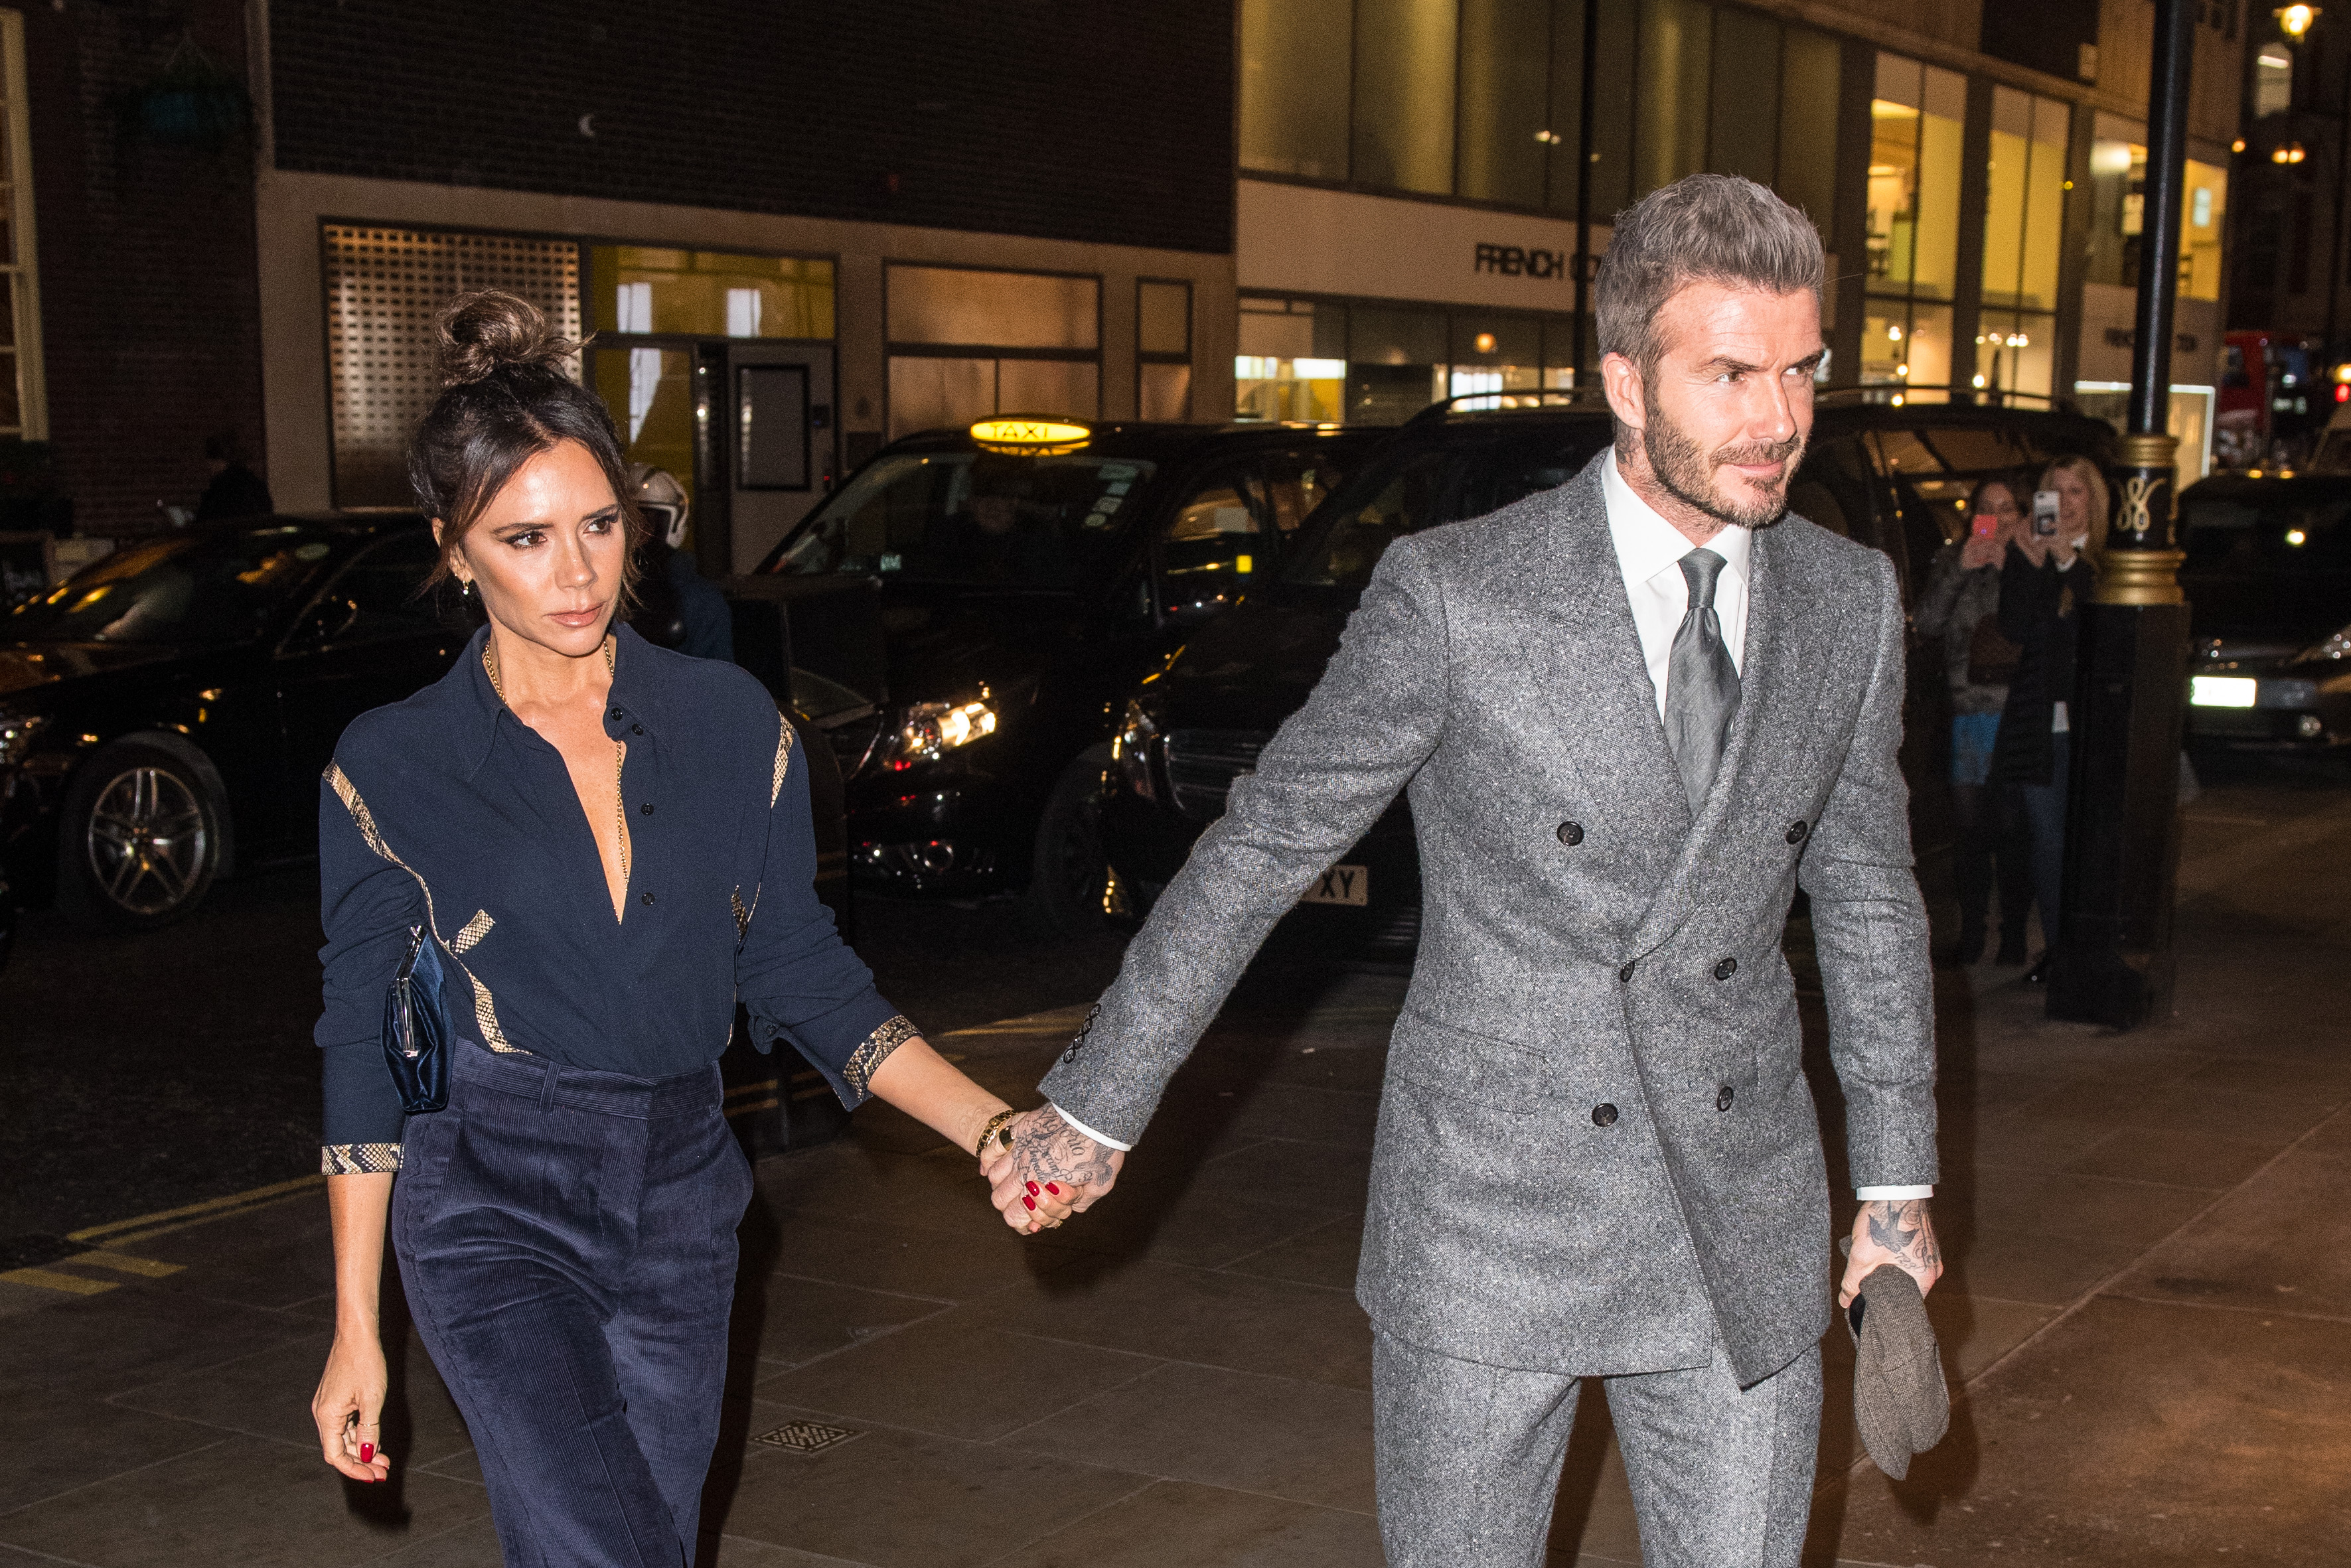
[984, 518]
[188, 589]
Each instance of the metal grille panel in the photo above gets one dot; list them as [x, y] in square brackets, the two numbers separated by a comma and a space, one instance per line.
[385, 288]
[1203, 764]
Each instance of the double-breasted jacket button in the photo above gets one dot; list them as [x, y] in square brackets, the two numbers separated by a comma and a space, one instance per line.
[647, 898]
[1798, 831]
[1726, 968]
[1723, 1101]
[1571, 834]
[647, 808]
[1603, 1115]
[1626, 974]
[615, 715]
[636, 729]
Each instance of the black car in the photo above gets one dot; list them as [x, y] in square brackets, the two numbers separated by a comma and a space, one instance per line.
[2268, 578]
[166, 713]
[1894, 478]
[1029, 571]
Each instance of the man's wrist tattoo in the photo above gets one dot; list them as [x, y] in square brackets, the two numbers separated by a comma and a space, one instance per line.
[1048, 1149]
[1900, 1226]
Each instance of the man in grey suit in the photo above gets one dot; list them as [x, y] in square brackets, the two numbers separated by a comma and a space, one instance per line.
[1632, 715]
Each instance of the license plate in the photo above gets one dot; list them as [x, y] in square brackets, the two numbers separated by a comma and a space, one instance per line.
[2222, 691]
[1340, 885]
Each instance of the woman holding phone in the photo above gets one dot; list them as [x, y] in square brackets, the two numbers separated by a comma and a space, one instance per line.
[607, 845]
[1962, 608]
[2050, 573]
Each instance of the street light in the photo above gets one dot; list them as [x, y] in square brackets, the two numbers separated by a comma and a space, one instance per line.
[2294, 21]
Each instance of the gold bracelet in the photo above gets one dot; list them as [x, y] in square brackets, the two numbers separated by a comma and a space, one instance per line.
[995, 1129]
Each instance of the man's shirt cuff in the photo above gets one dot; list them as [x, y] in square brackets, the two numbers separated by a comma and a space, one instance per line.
[1078, 1127]
[1866, 1194]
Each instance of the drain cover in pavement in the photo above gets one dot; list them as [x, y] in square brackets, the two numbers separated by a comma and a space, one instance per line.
[805, 1436]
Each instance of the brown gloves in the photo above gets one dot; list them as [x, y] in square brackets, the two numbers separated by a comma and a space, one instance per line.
[1899, 1401]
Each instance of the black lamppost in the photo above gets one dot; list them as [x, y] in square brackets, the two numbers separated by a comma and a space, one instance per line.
[2112, 962]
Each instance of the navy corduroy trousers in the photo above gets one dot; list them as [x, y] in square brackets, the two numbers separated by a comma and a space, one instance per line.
[567, 1240]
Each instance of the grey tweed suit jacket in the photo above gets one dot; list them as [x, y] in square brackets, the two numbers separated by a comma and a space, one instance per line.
[1493, 670]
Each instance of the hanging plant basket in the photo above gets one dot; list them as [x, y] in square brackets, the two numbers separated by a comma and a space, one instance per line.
[191, 102]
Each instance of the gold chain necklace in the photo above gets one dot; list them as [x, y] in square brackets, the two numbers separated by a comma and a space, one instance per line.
[620, 748]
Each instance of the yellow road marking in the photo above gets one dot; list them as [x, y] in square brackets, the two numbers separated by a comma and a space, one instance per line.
[73, 1284]
[211, 1206]
[145, 1268]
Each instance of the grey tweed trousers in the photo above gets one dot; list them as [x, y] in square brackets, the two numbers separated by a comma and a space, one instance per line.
[1468, 1460]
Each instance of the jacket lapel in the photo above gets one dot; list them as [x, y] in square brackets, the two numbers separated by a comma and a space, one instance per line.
[1604, 699]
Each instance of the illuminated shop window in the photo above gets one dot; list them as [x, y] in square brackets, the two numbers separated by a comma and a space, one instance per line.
[1329, 361]
[2118, 213]
[1916, 118]
[2024, 208]
[966, 344]
[24, 406]
[710, 294]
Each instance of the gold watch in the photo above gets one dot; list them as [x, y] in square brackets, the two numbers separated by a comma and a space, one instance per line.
[995, 1129]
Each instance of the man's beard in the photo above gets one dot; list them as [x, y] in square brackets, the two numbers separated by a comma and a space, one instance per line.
[1685, 471]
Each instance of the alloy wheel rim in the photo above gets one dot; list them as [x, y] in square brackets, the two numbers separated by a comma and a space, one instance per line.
[147, 841]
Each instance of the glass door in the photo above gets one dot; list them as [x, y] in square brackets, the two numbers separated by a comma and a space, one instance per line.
[779, 446]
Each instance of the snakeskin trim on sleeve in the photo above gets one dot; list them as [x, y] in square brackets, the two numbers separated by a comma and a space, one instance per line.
[783, 763]
[467, 939]
[486, 1012]
[359, 1158]
[742, 916]
[868, 1057]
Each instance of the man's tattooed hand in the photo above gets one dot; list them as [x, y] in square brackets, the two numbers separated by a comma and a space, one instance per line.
[1051, 1171]
[1892, 1231]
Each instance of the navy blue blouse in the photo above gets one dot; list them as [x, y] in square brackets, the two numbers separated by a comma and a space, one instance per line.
[447, 812]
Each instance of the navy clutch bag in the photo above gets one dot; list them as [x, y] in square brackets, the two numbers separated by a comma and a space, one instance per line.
[416, 1029]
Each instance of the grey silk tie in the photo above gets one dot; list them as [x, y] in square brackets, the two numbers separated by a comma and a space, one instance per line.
[1701, 683]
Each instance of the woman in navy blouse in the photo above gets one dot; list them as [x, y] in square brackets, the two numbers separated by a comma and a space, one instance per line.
[610, 844]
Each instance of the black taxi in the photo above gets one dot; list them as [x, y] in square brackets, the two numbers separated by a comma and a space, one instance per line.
[1030, 570]
[1896, 478]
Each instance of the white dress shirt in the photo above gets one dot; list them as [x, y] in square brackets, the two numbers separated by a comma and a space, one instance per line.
[1650, 552]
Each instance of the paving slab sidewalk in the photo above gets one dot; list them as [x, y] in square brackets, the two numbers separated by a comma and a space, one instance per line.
[2147, 1322]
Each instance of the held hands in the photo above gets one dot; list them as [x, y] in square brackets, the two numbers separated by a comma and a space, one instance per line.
[1896, 1232]
[1051, 1172]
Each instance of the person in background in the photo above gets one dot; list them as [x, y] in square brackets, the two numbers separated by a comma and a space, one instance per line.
[1961, 606]
[679, 608]
[2043, 583]
[235, 491]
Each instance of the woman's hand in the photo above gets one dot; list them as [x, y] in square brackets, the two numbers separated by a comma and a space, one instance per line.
[349, 1406]
[1051, 1171]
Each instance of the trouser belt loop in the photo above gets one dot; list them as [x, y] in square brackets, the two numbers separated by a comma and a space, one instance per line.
[547, 1091]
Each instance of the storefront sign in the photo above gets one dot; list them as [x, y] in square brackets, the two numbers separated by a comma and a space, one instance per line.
[1511, 261]
[1307, 240]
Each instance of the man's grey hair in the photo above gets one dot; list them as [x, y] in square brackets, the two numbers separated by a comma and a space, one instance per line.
[1715, 228]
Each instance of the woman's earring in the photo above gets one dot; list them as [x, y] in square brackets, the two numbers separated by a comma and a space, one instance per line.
[466, 588]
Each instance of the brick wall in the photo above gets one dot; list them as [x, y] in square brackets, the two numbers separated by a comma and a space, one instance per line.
[1083, 119]
[149, 309]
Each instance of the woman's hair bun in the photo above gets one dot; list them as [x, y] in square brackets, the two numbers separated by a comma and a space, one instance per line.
[490, 330]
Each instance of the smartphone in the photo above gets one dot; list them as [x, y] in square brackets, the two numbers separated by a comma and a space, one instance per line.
[1986, 525]
[2044, 513]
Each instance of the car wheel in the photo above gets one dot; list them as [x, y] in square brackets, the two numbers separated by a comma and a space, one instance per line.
[1068, 875]
[140, 840]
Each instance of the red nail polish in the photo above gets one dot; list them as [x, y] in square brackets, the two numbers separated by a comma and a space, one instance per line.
[1029, 1202]
[367, 1452]
[1053, 1188]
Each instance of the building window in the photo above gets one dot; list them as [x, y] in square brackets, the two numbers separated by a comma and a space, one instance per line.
[1483, 99]
[709, 294]
[385, 290]
[24, 404]
[2118, 213]
[1334, 361]
[1916, 120]
[2272, 81]
[966, 344]
[1403, 94]
[2024, 207]
[1162, 350]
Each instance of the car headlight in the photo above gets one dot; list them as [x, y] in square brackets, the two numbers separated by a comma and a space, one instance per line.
[926, 731]
[2339, 646]
[16, 733]
[1130, 751]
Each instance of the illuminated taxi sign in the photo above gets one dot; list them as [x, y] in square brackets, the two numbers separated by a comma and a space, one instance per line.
[1032, 434]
